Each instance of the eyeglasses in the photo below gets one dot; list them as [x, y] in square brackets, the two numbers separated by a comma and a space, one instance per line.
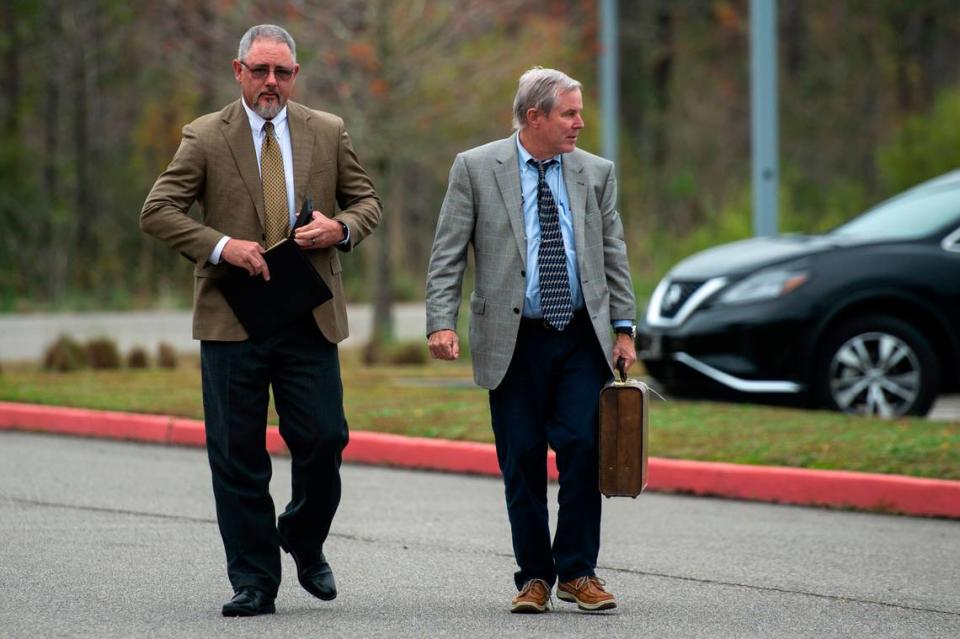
[261, 71]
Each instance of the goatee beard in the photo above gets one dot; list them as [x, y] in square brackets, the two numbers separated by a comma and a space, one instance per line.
[267, 112]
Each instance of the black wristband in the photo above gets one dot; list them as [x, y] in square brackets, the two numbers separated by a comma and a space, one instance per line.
[625, 330]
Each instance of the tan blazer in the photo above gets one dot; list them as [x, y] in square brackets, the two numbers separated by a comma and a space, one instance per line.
[482, 208]
[216, 166]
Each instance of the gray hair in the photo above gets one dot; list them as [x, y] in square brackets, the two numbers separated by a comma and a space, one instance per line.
[539, 89]
[270, 32]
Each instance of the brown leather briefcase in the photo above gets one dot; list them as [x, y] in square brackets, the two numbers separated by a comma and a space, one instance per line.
[623, 437]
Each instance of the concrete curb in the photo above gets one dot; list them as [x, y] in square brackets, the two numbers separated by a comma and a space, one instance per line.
[838, 489]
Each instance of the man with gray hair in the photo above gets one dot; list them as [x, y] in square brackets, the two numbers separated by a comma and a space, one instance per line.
[552, 288]
[249, 166]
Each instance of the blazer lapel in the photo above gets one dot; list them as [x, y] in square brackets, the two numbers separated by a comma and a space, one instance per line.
[577, 192]
[507, 173]
[236, 130]
[301, 140]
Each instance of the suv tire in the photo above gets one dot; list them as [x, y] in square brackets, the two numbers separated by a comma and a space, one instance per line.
[878, 365]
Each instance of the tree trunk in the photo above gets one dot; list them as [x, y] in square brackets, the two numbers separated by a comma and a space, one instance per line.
[382, 333]
[13, 86]
[634, 85]
[662, 76]
[85, 44]
[794, 39]
[382, 276]
[56, 268]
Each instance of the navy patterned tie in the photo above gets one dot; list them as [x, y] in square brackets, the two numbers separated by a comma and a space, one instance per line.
[552, 259]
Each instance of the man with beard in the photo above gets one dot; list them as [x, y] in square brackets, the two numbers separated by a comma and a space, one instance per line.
[248, 166]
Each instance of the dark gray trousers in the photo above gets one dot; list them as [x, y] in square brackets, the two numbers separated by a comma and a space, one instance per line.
[303, 369]
[550, 396]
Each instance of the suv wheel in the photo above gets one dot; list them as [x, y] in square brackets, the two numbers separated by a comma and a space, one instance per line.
[877, 366]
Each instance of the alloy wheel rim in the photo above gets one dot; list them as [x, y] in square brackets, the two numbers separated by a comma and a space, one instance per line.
[875, 374]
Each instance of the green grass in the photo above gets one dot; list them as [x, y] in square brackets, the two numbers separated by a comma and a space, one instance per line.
[439, 400]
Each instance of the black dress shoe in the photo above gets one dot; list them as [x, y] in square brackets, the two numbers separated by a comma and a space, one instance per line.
[249, 602]
[314, 573]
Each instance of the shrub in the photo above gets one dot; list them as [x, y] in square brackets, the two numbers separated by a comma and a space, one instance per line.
[410, 353]
[102, 353]
[373, 353]
[166, 355]
[138, 358]
[65, 354]
[924, 146]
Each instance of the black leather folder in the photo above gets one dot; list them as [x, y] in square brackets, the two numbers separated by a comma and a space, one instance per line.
[294, 290]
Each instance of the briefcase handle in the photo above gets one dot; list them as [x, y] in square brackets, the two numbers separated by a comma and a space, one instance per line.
[621, 368]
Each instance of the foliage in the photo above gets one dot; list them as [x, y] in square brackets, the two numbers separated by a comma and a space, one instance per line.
[102, 353]
[167, 356]
[418, 81]
[65, 354]
[138, 358]
[850, 75]
[407, 353]
[925, 146]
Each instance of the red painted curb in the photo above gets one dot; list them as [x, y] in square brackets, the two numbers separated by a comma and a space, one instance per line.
[837, 488]
[183, 432]
[892, 493]
[423, 452]
[85, 423]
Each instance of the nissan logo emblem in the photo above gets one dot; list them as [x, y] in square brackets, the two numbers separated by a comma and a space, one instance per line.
[672, 298]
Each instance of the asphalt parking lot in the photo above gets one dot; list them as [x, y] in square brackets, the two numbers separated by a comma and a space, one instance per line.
[112, 539]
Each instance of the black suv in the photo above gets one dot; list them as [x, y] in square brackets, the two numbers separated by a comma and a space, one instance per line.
[863, 319]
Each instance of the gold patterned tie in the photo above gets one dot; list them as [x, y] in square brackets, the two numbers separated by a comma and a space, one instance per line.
[274, 188]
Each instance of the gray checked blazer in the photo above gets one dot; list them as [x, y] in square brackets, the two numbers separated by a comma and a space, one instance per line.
[483, 208]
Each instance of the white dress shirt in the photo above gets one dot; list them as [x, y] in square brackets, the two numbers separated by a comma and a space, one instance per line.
[282, 133]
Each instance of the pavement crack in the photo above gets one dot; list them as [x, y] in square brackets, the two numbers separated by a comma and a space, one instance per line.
[788, 591]
[434, 547]
[108, 511]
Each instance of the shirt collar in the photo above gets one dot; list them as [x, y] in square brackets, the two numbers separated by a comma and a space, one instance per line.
[257, 122]
[526, 157]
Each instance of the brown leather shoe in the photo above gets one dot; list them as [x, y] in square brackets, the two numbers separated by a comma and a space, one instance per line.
[588, 593]
[534, 597]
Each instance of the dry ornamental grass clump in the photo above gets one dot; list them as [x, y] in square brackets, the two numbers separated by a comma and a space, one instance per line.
[138, 358]
[408, 353]
[166, 355]
[103, 354]
[65, 354]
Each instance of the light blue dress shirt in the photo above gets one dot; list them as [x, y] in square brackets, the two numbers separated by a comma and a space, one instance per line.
[529, 177]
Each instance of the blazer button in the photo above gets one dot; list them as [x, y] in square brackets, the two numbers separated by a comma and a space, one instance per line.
[264, 236]
[523, 273]
[516, 311]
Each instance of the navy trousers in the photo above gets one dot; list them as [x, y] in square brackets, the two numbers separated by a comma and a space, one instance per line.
[303, 369]
[550, 396]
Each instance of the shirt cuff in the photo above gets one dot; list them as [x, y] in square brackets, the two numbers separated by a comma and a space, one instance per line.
[622, 323]
[218, 249]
